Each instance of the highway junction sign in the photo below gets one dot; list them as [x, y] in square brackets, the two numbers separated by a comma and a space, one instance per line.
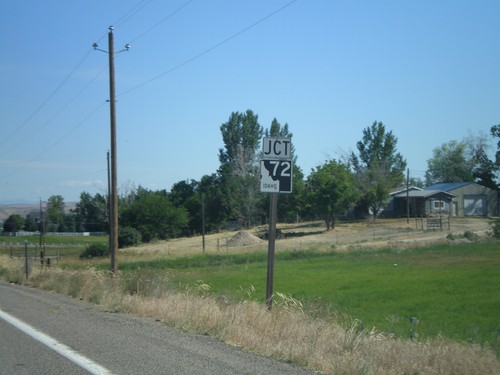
[276, 165]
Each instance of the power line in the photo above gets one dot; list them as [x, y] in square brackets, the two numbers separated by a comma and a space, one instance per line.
[44, 103]
[126, 17]
[132, 12]
[162, 21]
[210, 49]
[55, 142]
[58, 112]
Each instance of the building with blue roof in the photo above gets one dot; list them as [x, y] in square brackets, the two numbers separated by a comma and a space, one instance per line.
[471, 199]
[445, 199]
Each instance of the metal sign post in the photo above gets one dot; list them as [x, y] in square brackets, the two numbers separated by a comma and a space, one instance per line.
[270, 250]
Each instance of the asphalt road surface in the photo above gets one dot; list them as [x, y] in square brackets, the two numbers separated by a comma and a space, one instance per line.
[48, 333]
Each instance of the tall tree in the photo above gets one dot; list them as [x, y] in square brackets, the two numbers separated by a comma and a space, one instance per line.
[30, 224]
[216, 209]
[483, 168]
[332, 191]
[91, 213]
[13, 223]
[55, 213]
[182, 191]
[241, 135]
[378, 166]
[448, 164]
[466, 160]
[495, 133]
[154, 216]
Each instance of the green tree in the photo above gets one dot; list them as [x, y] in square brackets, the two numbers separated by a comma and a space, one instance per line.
[495, 133]
[186, 194]
[13, 223]
[465, 160]
[448, 164]
[482, 168]
[91, 213]
[378, 166]
[154, 216]
[55, 213]
[241, 135]
[216, 205]
[30, 224]
[331, 191]
[182, 191]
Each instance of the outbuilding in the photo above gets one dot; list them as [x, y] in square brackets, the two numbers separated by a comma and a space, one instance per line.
[421, 202]
[471, 199]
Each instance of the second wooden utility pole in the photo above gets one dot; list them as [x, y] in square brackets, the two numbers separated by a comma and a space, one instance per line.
[113, 194]
[114, 175]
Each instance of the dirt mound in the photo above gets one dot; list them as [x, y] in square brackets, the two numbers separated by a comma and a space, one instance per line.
[243, 238]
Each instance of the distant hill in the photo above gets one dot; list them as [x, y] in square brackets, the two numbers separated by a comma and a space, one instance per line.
[24, 209]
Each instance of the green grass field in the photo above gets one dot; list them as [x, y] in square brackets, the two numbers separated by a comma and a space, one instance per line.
[453, 291]
[54, 245]
[86, 240]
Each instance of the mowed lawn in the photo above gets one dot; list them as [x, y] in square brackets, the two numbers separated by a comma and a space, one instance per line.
[453, 291]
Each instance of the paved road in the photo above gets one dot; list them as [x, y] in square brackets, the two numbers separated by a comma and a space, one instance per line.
[120, 343]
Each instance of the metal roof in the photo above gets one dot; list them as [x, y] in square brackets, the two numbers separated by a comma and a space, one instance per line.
[425, 194]
[395, 192]
[448, 186]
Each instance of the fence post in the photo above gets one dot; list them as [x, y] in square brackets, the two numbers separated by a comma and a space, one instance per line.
[26, 257]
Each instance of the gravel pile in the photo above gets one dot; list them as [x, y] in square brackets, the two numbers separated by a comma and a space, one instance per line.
[243, 238]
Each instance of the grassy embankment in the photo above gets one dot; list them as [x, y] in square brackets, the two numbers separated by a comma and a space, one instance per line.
[451, 290]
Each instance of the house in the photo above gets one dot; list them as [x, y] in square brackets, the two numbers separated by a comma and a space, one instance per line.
[421, 202]
[453, 199]
[471, 199]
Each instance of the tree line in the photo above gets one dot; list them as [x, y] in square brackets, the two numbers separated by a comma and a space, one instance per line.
[355, 185]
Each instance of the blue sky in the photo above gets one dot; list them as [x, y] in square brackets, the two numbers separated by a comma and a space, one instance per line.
[429, 70]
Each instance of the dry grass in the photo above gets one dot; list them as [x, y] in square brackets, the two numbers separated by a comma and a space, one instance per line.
[286, 333]
[381, 233]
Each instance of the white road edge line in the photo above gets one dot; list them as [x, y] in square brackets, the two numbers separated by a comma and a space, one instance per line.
[55, 345]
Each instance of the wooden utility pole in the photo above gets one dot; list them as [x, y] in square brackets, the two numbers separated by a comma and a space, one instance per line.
[114, 175]
[108, 208]
[113, 199]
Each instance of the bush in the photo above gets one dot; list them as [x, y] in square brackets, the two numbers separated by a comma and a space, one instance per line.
[128, 236]
[97, 250]
[496, 228]
[471, 236]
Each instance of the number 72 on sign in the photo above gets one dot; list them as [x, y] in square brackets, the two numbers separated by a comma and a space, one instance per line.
[275, 176]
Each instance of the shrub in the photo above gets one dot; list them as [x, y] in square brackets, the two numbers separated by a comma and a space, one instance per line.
[496, 228]
[471, 236]
[128, 236]
[95, 251]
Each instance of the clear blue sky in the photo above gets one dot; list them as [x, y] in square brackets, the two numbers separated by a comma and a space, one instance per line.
[429, 70]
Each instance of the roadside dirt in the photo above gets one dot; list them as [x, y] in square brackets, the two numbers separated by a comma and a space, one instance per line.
[381, 233]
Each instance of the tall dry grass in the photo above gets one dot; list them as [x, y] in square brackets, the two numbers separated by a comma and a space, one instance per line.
[286, 333]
